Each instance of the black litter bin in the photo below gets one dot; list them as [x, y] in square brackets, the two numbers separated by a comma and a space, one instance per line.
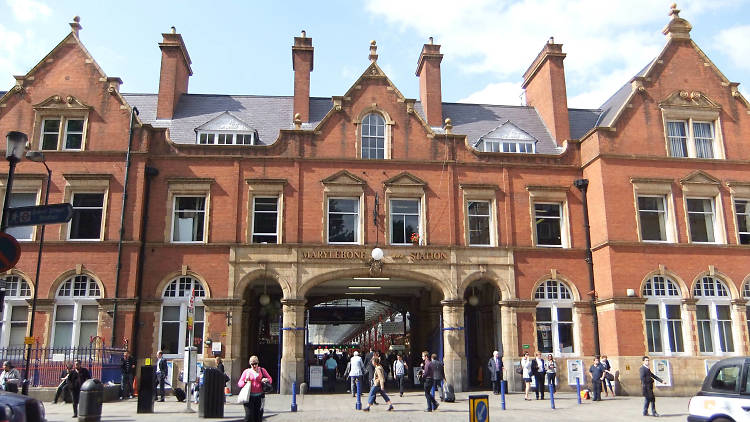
[90, 404]
[147, 389]
[211, 404]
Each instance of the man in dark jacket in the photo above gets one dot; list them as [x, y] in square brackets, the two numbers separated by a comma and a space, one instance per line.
[438, 373]
[495, 367]
[597, 371]
[127, 369]
[161, 373]
[73, 384]
[647, 387]
[429, 381]
[538, 371]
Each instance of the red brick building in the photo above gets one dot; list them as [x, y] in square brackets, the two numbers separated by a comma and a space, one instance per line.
[264, 207]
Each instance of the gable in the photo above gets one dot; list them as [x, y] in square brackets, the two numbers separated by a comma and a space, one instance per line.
[343, 177]
[226, 122]
[508, 132]
[699, 177]
[405, 179]
[692, 100]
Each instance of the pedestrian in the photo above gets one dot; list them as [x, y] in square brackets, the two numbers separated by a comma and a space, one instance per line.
[608, 377]
[647, 386]
[400, 369]
[73, 384]
[354, 370]
[83, 373]
[378, 386]
[62, 387]
[161, 374]
[330, 367]
[220, 368]
[551, 371]
[9, 378]
[538, 371]
[256, 376]
[597, 372]
[127, 370]
[438, 371]
[495, 366]
[526, 373]
[429, 381]
[369, 369]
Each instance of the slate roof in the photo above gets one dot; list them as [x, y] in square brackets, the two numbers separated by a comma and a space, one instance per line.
[581, 121]
[611, 108]
[270, 114]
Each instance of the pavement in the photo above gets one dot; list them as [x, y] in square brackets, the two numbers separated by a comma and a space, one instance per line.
[341, 407]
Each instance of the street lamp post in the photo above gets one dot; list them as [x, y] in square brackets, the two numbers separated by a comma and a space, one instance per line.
[36, 156]
[14, 150]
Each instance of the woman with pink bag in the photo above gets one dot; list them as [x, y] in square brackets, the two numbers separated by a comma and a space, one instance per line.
[255, 382]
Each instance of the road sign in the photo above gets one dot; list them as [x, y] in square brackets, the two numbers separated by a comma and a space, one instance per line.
[479, 408]
[28, 340]
[10, 251]
[41, 214]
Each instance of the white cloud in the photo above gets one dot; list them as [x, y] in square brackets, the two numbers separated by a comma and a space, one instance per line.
[28, 10]
[733, 42]
[497, 93]
[606, 42]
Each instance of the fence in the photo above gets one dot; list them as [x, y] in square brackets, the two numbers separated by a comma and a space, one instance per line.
[47, 363]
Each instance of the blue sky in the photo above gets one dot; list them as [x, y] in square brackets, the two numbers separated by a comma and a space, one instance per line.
[243, 47]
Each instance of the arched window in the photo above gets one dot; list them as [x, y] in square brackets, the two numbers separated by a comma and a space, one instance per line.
[373, 137]
[714, 316]
[76, 312]
[178, 296]
[554, 318]
[15, 311]
[664, 330]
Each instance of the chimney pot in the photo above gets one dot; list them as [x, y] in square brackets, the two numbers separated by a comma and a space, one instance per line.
[431, 41]
[304, 34]
[174, 75]
[302, 64]
[172, 30]
[428, 71]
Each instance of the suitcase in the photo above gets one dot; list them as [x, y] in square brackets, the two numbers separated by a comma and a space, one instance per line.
[448, 393]
[179, 393]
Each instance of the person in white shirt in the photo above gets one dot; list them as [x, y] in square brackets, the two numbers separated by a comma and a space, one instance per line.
[526, 373]
[356, 369]
[400, 370]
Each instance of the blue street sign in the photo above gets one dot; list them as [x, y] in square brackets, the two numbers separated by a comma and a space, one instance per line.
[10, 251]
[42, 214]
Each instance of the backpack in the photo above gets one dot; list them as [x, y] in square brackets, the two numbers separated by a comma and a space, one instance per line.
[448, 393]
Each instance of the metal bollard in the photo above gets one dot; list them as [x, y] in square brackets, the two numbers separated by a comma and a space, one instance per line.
[358, 405]
[502, 394]
[578, 389]
[552, 394]
[294, 396]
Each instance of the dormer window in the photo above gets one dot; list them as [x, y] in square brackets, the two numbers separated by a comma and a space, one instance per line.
[219, 138]
[688, 138]
[373, 137]
[692, 126]
[507, 138]
[226, 129]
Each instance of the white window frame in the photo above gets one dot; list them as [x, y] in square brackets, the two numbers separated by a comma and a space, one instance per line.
[13, 299]
[420, 228]
[548, 301]
[214, 136]
[738, 216]
[666, 218]
[357, 214]
[62, 132]
[103, 218]
[528, 147]
[712, 301]
[15, 230]
[562, 221]
[671, 295]
[174, 217]
[378, 138]
[490, 222]
[717, 228]
[88, 299]
[183, 302]
[278, 217]
[690, 138]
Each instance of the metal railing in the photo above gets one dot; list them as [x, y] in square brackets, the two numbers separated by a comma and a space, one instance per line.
[47, 363]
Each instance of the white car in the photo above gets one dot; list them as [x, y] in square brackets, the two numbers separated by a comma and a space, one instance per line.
[725, 395]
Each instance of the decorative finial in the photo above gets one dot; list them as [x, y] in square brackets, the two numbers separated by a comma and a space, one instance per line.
[304, 33]
[173, 30]
[75, 26]
[448, 126]
[551, 40]
[430, 40]
[77, 19]
[674, 12]
[373, 51]
[298, 121]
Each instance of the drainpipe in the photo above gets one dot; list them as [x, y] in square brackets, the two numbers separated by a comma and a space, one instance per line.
[151, 172]
[583, 185]
[133, 113]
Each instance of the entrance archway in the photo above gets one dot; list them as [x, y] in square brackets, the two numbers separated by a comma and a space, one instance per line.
[483, 329]
[261, 323]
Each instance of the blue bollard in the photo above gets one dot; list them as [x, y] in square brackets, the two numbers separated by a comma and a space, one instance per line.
[294, 396]
[552, 394]
[502, 394]
[358, 405]
[578, 389]
[432, 390]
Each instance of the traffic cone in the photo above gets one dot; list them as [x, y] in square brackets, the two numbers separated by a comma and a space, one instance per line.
[135, 386]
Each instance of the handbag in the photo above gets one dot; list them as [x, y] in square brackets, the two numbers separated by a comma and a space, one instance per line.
[267, 387]
[609, 376]
[244, 396]
[519, 370]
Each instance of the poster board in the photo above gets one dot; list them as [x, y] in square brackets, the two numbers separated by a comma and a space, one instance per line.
[576, 370]
[316, 376]
[662, 370]
[414, 375]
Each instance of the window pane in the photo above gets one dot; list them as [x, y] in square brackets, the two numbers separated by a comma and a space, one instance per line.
[543, 314]
[19, 313]
[343, 220]
[50, 134]
[544, 337]
[171, 313]
[373, 137]
[726, 378]
[63, 334]
[87, 216]
[704, 138]
[64, 313]
[673, 312]
[742, 209]
[404, 220]
[565, 314]
[674, 330]
[652, 311]
[22, 199]
[87, 331]
[189, 218]
[700, 212]
[677, 135]
[89, 313]
[17, 335]
[265, 220]
[170, 334]
[565, 334]
[652, 216]
[653, 334]
[548, 230]
[479, 222]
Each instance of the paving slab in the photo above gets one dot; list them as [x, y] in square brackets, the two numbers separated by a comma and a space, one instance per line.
[341, 407]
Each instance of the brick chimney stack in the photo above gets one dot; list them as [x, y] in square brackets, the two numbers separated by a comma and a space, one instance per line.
[175, 71]
[544, 82]
[302, 64]
[428, 71]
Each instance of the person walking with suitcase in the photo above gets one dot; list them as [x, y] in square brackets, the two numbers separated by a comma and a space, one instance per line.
[161, 374]
[438, 370]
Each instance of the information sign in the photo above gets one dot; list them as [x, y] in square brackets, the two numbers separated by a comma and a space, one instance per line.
[316, 376]
[576, 370]
[662, 370]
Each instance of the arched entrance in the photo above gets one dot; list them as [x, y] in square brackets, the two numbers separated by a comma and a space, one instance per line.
[483, 334]
[261, 322]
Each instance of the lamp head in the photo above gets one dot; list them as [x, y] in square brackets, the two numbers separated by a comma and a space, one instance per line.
[377, 254]
[15, 145]
[35, 156]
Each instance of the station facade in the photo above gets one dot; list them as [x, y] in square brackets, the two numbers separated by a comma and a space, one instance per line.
[252, 209]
